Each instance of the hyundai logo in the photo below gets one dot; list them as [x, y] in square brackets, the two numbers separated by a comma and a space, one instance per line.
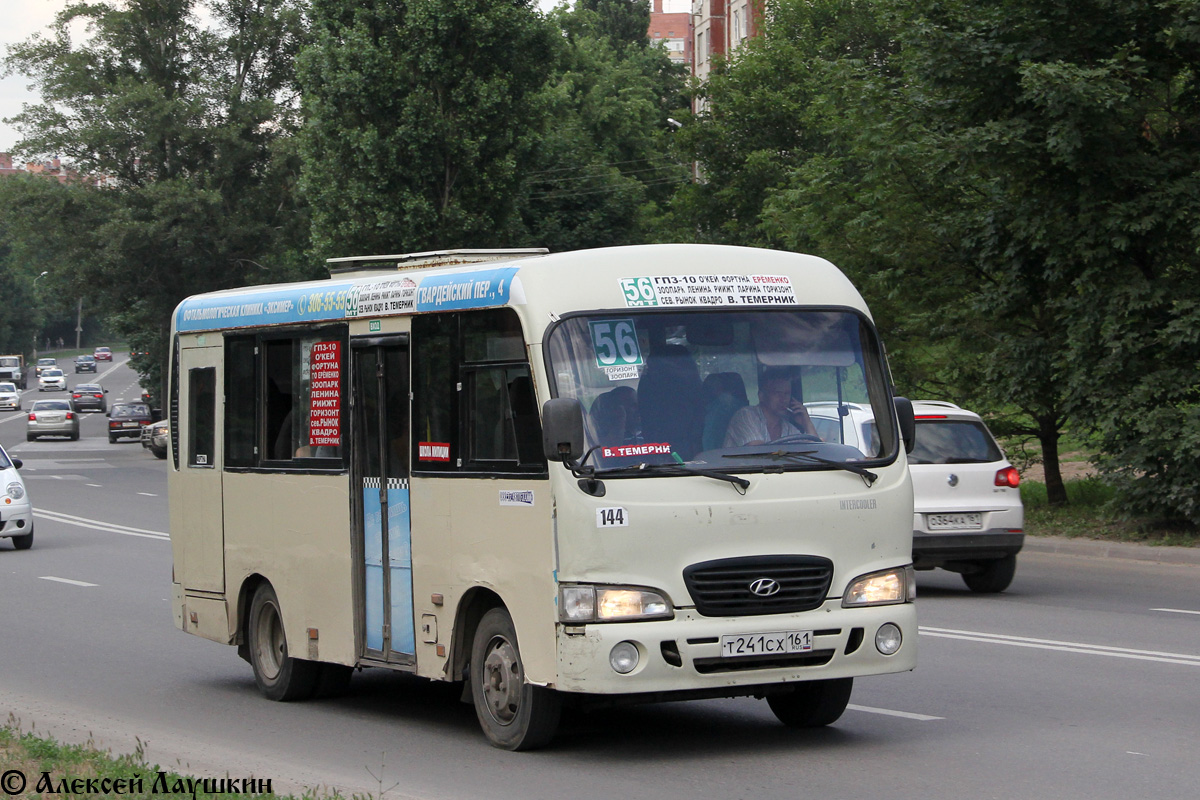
[765, 587]
[952, 479]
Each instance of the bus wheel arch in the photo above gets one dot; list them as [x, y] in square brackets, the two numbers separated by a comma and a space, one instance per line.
[514, 714]
[279, 676]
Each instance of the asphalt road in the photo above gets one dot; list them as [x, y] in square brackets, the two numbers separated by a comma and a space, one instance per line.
[1079, 682]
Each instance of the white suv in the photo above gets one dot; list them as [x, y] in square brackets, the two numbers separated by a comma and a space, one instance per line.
[968, 516]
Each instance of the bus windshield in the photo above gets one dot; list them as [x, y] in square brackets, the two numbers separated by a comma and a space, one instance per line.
[727, 390]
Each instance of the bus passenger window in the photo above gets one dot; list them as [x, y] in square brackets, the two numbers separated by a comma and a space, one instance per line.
[202, 411]
[241, 402]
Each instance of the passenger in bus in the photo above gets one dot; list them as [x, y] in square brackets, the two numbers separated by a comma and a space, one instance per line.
[776, 416]
[726, 393]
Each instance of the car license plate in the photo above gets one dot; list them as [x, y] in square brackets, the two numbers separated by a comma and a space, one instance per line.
[129, 424]
[766, 644]
[970, 521]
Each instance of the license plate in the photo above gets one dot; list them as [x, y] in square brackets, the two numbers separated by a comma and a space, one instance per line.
[766, 644]
[129, 424]
[971, 521]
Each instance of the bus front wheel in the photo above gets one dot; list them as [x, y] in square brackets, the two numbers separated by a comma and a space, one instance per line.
[278, 675]
[812, 704]
[514, 715]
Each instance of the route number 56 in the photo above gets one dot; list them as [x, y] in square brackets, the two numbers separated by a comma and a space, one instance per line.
[615, 343]
[639, 292]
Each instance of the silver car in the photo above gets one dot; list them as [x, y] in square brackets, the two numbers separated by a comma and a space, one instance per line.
[52, 418]
[10, 398]
[90, 395]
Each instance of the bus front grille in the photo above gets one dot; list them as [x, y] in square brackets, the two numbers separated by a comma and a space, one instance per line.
[758, 585]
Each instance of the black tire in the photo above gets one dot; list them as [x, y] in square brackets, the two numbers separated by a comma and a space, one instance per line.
[29, 437]
[112, 440]
[23, 542]
[278, 675]
[992, 576]
[812, 704]
[74, 437]
[514, 715]
[159, 452]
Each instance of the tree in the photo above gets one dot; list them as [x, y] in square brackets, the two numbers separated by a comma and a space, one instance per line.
[602, 169]
[757, 123]
[1009, 179]
[184, 134]
[419, 116]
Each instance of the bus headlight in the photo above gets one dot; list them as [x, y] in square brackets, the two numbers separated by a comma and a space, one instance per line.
[15, 490]
[885, 588]
[611, 604]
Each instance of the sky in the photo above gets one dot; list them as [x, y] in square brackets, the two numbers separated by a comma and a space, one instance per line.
[23, 18]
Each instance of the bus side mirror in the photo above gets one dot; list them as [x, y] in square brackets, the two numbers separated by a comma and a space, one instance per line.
[562, 429]
[908, 422]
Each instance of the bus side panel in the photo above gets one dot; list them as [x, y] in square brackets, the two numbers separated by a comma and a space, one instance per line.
[495, 533]
[300, 541]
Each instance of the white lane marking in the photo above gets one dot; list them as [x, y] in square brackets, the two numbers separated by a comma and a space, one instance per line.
[94, 524]
[147, 494]
[889, 713]
[94, 485]
[66, 580]
[1065, 647]
[1176, 611]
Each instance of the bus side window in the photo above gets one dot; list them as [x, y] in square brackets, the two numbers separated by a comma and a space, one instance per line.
[202, 413]
[241, 402]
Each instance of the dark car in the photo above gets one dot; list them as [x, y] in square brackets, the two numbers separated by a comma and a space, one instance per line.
[126, 420]
[89, 395]
[85, 364]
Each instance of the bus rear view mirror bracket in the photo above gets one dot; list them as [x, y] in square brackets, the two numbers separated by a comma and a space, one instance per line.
[908, 422]
[562, 429]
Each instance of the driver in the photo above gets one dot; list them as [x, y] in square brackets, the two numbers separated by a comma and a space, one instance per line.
[777, 414]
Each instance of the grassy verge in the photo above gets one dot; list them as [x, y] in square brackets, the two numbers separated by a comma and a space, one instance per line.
[33, 766]
[1089, 515]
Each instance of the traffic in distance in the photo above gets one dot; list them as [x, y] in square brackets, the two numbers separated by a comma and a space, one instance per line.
[57, 417]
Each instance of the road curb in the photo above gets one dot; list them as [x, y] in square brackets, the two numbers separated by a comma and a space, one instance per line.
[1101, 549]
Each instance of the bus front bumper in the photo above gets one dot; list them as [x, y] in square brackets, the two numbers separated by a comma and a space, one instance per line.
[684, 654]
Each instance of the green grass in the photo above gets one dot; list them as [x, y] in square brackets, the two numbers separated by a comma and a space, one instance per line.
[1089, 514]
[69, 768]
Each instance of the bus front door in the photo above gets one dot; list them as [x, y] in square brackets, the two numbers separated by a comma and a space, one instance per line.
[381, 431]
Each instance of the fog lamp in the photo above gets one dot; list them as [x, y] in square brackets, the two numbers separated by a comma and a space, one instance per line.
[888, 638]
[624, 657]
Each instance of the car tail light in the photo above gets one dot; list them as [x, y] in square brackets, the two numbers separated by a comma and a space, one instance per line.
[70, 415]
[1008, 477]
[77, 396]
[33, 417]
[114, 424]
[930, 416]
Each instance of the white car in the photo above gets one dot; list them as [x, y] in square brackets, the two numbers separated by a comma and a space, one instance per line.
[968, 516]
[52, 379]
[16, 512]
[10, 398]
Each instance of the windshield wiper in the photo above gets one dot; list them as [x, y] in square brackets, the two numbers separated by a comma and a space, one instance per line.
[796, 455]
[681, 469]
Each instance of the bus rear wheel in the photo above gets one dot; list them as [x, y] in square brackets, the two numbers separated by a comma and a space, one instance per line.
[514, 715]
[278, 675]
[812, 704]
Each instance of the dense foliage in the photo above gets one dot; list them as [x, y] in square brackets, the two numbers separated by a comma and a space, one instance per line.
[188, 128]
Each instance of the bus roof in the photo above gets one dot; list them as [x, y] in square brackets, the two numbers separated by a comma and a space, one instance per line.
[546, 286]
